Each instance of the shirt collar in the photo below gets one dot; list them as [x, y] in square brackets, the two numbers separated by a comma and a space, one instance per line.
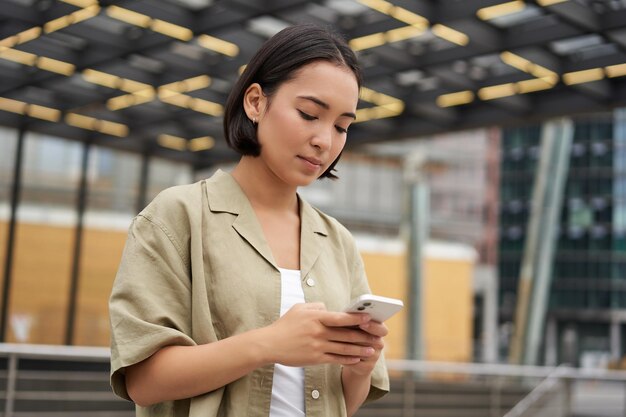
[225, 195]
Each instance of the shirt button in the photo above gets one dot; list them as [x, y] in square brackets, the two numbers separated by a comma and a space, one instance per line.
[315, 394]
[310, 282]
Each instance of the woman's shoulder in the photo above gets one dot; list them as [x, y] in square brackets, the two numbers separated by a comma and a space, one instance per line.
[177, 199]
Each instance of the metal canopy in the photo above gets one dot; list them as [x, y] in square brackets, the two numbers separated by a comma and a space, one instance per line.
[151, 76]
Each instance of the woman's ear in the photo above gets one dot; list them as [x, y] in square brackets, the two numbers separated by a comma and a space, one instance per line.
[254, 102]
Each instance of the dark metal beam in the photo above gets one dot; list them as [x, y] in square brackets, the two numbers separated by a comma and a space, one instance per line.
[577, 15]
[81, 203]
[16, 189]
[144, 176]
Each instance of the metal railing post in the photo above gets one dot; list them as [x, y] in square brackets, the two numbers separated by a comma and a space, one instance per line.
[11, 383]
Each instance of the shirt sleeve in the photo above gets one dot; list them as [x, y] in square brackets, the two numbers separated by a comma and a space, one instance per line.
[150, 301]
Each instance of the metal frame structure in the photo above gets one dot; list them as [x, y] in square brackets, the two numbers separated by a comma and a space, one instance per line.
[152, 76]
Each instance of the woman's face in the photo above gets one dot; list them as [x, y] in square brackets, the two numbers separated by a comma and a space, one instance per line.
[303, 129]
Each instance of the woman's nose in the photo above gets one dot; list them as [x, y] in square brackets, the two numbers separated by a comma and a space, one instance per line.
[323, 139]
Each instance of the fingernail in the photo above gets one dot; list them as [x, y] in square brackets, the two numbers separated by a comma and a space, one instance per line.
[364, 326]
[369, 351]
[365, 318]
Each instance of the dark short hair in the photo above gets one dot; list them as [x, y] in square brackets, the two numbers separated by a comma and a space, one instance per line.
[276, 62]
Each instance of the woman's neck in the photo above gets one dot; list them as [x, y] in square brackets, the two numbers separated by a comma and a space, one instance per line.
[264, 190]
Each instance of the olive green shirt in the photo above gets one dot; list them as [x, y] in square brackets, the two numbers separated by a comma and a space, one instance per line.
[196, 268]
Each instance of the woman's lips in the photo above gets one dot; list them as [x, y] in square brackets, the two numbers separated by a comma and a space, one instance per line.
[310, 162]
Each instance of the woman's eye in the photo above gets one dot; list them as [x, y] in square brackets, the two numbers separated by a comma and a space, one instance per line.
[306, 116]
[341, 129]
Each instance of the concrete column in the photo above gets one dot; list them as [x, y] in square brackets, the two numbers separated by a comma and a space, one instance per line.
[616, 339]
[551, 343]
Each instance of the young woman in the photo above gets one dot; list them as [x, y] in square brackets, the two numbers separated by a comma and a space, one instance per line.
[229, 294]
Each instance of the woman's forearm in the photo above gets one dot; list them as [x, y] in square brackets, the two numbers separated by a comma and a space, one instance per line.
[355, 389]
[177, 372]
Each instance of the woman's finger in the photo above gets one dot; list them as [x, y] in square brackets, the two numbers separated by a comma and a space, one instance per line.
[337, 319]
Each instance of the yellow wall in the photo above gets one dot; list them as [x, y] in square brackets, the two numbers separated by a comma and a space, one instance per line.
[101, 254]
[40, 282]
[42, 270]
[446, 311]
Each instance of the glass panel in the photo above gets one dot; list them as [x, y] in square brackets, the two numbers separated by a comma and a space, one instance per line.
[113, 180]
[164, 174]
[44, 241]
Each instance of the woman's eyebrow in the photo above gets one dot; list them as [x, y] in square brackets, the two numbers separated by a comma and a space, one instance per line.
[325, 105]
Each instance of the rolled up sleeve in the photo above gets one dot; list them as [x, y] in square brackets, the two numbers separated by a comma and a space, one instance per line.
[150, 301]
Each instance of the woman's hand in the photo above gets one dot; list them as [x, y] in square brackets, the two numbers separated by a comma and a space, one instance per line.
[375, 331]
[308, 334]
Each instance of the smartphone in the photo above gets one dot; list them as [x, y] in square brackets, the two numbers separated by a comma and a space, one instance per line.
[379, 308]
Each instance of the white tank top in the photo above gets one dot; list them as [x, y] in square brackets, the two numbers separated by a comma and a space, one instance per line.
[288, 385]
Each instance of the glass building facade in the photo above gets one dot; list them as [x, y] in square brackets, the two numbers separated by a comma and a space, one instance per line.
[63, 258]
[589, 271]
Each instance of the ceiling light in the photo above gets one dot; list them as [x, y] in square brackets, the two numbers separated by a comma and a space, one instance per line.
[113, 128]
[381, 112]
[544, 73]
[72, 18]
[535, 84]
[81, 3]
[196, 83]
[408, 17]
[101, 78]
[129, 16]
[455, 99]
[54, 65]
[491, 12]
[44, 113]
[86, 13]
[172, 142]
[121, 102]
[128, 100]
[403, 33]
[9, 42]
[369, 95]
[516, 61]
[21, 57]
[218, 45]
[207, 107]
[58, 24]
[164, 92]
[379, 5]
[616, 70]
[28, 35]
[201, 144]
[363, 115]
[179, 100]
[81, 121]
[184, 86]
[131, 86]
[579, 77]
[497, 91]
[396, 107]
[13, 106]
[368, 41]
[171, 30]
[545, 3]
[451, 35]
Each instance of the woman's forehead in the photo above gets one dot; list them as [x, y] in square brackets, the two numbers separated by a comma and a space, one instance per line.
[332, 83]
